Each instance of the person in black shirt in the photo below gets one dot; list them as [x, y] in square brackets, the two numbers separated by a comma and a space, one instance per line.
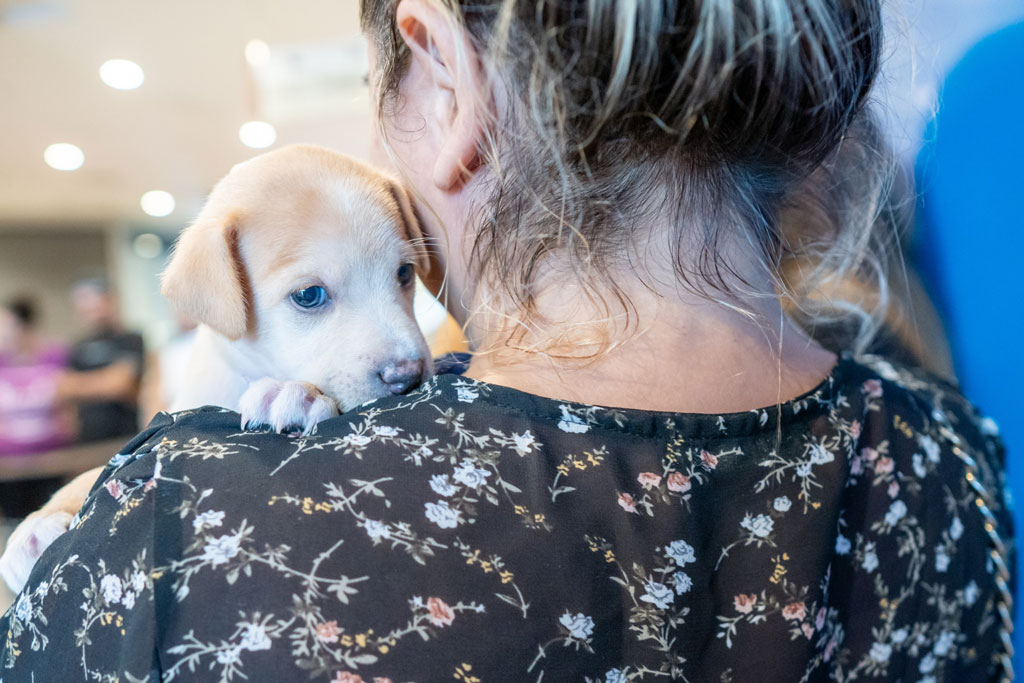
[105, 366]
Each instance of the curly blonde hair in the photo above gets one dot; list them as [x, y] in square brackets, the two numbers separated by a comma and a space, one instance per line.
[751, 111]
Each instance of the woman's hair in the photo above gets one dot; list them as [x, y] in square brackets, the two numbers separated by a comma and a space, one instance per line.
[23, 309]
[751, 113]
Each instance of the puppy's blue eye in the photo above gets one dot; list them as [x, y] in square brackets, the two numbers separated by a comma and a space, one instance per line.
[405, 274]
[310, 297]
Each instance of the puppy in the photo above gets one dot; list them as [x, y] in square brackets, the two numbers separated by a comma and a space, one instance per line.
[301, 270]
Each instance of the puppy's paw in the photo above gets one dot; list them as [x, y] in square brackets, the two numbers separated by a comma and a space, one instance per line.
[27, 543]
[284, 405]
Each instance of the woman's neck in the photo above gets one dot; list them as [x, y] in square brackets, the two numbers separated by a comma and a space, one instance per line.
[679, 354]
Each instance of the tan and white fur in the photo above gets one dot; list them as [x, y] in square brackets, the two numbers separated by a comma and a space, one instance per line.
[276, 227]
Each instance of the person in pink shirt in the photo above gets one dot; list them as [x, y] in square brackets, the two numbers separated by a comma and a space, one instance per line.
[31, 420]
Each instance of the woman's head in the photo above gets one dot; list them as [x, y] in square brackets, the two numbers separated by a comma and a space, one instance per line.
[668, 140]
[17, 319]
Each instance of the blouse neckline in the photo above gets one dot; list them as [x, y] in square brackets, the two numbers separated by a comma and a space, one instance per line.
[576, 417]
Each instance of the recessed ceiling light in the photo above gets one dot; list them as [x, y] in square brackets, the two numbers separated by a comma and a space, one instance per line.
[257, 53]
[122, 74]
[64, 156]
[257, 134]
[147, 245]
[157, 203]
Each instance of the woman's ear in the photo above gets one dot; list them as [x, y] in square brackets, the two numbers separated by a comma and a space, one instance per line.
[205, 279]
[446, 72]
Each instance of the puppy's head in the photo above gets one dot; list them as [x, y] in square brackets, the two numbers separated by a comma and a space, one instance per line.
[307, 259]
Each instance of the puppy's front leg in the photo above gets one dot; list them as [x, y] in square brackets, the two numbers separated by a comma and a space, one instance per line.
[41, 528]
[281, 405]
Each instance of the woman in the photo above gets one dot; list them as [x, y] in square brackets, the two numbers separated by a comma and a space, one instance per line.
[31, 421]
[608, 182]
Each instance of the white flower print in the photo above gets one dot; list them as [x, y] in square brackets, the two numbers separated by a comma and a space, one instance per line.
[466, 394]
[23, 610]
[128, 600]
[820, 455]
[918, 464]
[138, 581]
[524, 442]
[255, 638]
[468, 474]
[842, 545]
[761, 526]
[870, 561]
[208, 520]
[357, 440]
[931, 449]
[658, 594]
[221, 549]
[782, 504]
[989, 427]
[111, 588]
[897, 511]
[971, 593]
[899, 635]
[579, 626]
[570, 423]
[385, 431]
[441, 485]
[682, 582]
[440, 514]
[229, 656]
[880, 652]
[941, 559]
[376, 530]
[927, 664]
[944, 643]
[956, 529]
[803, 470]
[680, 552]
[615, 676]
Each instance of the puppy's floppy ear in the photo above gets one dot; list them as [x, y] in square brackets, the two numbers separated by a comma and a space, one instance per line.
[206, 279]
[411, 223]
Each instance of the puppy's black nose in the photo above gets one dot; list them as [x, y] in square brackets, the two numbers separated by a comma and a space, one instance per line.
[403, 375]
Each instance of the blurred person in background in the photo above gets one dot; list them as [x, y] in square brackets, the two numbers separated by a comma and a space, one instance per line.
[30, 419]
[105, 367]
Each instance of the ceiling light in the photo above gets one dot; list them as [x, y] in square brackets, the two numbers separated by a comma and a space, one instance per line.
[64, 157]
[157, 203]
[122, 74]
[257, 134]
[147, 245]
[257, 53]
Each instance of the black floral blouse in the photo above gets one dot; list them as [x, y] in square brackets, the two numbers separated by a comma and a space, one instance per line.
[475, 533]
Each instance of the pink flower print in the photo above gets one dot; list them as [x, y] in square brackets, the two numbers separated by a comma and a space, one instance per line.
[807, 629]
[794, 611]
[873, 388]
[884, 465]
[869, 454]
[114, 488]
[678, 482]
[819, 621]
[710, 460]
[327, 632]
[440, 613]
[648, 480]
[744, 602]
[627, 503]
[855, 430]
[346, 677]
[894, 489]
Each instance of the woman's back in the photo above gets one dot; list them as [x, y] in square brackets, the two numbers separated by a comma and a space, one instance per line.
[473, 531]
